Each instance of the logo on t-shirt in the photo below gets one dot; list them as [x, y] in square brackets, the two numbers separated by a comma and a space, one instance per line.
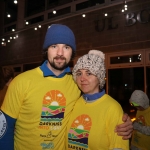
[53, 109]
[3, 124]
[79, 132]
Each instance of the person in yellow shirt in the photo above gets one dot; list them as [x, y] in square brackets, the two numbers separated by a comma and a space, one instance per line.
[141, 126]
[95, 113]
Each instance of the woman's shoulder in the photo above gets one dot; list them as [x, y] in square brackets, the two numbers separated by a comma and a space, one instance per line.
[110, 100]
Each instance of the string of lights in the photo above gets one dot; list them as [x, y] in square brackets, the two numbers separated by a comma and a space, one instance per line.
[124, 8]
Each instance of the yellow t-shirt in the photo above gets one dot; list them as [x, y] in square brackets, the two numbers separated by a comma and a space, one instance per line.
[92, 125]
[140, 140]
[42, 107]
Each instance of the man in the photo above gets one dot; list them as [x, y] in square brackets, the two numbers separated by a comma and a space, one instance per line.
[39, 102]
[141, 126]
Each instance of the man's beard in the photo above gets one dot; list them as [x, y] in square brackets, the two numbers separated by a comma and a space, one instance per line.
[55, 66]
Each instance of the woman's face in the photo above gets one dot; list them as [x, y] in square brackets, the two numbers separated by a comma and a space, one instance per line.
[87, 82]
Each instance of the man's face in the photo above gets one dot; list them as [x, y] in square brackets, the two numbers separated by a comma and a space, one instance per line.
[59, 56]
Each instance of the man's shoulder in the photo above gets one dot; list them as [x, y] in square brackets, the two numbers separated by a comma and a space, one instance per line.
[30, 74]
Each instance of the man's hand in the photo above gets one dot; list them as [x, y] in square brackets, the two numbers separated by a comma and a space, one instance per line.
[125, 129]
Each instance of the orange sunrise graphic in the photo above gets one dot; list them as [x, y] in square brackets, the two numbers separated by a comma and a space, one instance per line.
[82, 122]
[54, 103]
[80, 127]
[54, 98]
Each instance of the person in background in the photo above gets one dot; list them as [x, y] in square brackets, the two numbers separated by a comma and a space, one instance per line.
[39, 102]
[9, 75]
[141, 126]
[95, 113]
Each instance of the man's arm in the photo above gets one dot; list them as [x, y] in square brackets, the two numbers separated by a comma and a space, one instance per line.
[125, 129]
[7, 126]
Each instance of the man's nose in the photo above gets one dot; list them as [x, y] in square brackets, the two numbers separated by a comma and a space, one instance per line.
[60, 51]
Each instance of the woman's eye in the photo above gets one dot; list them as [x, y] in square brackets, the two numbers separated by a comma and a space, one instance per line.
[89, 73]
[78, 74]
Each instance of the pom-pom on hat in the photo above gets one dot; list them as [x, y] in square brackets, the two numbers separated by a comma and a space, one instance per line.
[59, 34]
[94, 61]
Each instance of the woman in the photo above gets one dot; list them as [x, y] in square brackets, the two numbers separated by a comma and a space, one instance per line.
[95, 114]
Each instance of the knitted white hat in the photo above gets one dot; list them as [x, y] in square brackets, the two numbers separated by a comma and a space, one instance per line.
[94, 61]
